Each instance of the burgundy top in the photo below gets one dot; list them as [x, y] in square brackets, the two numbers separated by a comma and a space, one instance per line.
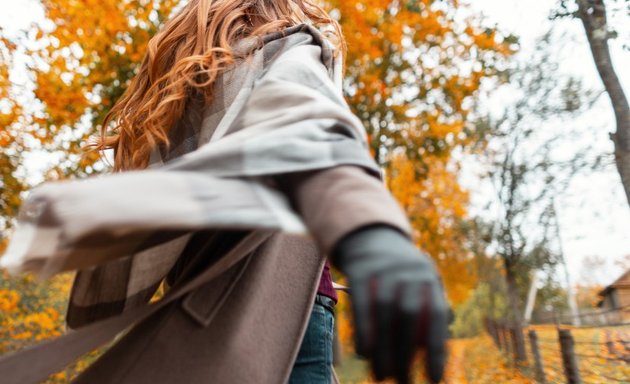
[325, 284]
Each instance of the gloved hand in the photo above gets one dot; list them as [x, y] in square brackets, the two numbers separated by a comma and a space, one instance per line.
[398, 301]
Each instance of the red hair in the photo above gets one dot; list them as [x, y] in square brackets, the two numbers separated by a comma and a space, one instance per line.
[186, 56]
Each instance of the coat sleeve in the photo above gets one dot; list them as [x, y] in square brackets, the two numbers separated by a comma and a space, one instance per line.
[336, 201]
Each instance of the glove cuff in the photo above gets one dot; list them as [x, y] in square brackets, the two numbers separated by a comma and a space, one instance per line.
[366, 236]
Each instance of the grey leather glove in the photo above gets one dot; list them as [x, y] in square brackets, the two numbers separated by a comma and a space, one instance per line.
[398, 301]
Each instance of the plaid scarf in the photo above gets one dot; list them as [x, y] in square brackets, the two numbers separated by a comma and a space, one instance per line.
[280, 110]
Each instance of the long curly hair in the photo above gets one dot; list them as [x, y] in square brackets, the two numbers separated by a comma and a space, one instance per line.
[184, 58]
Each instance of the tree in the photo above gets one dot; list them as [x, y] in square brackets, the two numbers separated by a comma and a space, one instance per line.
[11, 186]
[436, 208]
[526, 169]
[593, 16]
[82, 65]
[488, 300]
[414, 69]
[80, 61]
[482, 304]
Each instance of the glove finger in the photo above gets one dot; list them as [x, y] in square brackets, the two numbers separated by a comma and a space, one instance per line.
[382, 357]
[410, 304]
[364, 314]
[423, 314]
[438, 331]
[383, 353]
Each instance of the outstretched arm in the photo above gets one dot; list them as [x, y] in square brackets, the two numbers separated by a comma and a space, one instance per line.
[397, 298]
[335, 201]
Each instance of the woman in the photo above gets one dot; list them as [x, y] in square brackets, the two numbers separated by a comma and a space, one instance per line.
[233, 134]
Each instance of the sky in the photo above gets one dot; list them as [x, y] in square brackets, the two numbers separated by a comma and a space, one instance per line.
[594, 217]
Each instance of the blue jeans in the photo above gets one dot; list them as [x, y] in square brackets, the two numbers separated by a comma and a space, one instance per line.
[314, 361]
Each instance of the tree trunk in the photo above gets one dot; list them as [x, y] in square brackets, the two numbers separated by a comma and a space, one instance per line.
[515, 309]
[592, 13]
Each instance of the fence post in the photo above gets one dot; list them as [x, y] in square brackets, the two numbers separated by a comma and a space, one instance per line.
[514, 338]
[507, 343]
[491, 326]
[499, 332]
[569, 360]
[610, 345]
[538, 365]
[520, 354]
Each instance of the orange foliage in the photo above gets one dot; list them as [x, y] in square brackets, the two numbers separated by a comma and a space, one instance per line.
[8, 301]
[11, 143]
[482, 362]
[83, 65]
[343, 323]
[435, 205]
[413, 71]
[31, 312]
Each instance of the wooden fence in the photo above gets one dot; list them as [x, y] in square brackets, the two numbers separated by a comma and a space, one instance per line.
[563, 354]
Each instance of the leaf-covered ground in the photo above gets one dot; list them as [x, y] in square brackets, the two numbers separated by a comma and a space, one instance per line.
[31, 312]
[474, 360]
[602, 354]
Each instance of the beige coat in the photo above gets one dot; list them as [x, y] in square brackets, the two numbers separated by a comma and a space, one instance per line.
[245, 318]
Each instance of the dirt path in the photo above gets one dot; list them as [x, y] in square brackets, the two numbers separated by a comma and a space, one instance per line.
[455, 370]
